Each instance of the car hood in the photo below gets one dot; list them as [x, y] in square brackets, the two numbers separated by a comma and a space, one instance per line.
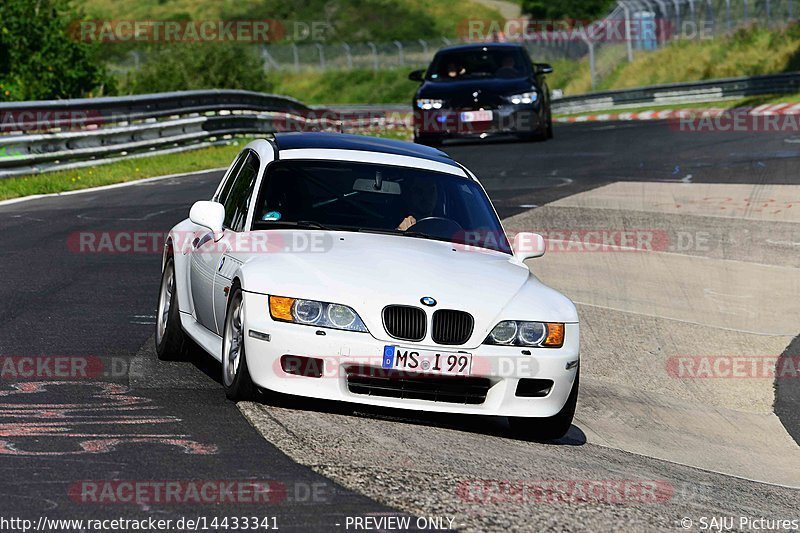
[370, 271]
[462, 91]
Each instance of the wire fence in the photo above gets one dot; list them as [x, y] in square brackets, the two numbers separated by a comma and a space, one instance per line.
[631, 28]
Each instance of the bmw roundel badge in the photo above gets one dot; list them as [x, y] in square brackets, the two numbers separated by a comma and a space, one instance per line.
[427, 300]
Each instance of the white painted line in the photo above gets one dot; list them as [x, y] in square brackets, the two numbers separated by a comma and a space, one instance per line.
[107, 187]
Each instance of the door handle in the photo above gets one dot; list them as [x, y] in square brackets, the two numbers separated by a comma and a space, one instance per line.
[221, 264]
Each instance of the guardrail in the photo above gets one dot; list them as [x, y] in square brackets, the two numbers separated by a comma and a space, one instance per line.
[50, 135]
[681, 93]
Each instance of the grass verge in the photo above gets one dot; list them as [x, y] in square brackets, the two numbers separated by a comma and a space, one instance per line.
[119, 171]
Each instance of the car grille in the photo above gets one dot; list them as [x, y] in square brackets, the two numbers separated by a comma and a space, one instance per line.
[404, 322]
[452, 327]
[374, 381]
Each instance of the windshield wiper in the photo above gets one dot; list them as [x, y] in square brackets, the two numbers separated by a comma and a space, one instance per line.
[292, 224]
[402, 233]
[313, 224]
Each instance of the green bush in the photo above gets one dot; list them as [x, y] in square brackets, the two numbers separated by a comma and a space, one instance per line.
[39, 59]
[186, 66]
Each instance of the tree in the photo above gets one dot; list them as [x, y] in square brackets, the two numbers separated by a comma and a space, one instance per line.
[186, 66]
[39, 57]
[580, 10]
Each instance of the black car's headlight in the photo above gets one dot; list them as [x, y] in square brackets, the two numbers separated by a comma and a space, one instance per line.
[523, 98]
[523, 333]
[314, 313]
[429, 103]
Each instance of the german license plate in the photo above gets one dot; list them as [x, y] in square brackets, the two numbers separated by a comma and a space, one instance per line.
[426, 361]
[476, 116]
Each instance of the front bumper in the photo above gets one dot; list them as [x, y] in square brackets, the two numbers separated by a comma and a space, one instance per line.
[506, 119]
[503, 366]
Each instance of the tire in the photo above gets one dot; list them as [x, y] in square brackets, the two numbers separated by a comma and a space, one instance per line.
[551, 428]
[235, 374]
[170, 337]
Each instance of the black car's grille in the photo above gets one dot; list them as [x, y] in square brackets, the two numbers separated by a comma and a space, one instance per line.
[374, 381]
[452, 327]
[404, 322]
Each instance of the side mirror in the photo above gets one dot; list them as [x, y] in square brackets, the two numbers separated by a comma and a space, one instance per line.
[544, 68]
[529, 245]
[416, 75]
[208, 214]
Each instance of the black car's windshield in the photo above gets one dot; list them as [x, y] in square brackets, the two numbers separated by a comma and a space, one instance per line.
[478, 63]
[367, 197]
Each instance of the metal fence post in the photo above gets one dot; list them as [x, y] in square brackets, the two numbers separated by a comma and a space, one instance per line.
[628, 43]
[592, 66]
[769, 13]
[296, 57]
[677, 5]
[349, 55]
[321, 56]
[424, 44]
[400, 56]
[728, 14]
[374, 56]
[744, 2]
[791, 9]
[710, 15]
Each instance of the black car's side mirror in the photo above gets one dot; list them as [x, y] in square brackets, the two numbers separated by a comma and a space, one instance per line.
[416, 75]
[543, 68]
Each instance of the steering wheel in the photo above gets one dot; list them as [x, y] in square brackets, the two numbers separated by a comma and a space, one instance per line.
[437, 227]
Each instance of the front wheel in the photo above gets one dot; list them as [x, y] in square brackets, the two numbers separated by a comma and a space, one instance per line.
[550, 428]
[235, 375]
[170, 338]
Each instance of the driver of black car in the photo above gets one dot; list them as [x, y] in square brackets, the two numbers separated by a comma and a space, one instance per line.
[508, 68]
[421, 200]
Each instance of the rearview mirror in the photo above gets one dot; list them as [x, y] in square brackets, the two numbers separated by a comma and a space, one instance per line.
[367, 185]
[544, 68]
[208, 214]
[529, 245]
[416, 75]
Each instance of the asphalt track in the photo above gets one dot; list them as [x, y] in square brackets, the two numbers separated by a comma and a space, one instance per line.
[172, 422]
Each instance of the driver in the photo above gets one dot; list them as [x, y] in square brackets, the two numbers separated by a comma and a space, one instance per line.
[421, 200]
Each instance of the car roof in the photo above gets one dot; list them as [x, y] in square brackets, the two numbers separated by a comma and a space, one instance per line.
[476, 46]
[343, 141]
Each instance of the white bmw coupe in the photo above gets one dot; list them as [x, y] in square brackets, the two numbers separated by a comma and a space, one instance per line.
[372, 271]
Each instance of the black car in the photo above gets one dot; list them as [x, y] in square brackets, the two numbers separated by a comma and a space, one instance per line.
[480, 90]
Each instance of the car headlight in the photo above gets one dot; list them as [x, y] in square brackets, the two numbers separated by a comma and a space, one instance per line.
[314, 313]
[522, 333]
[428, 103]
[523, 98]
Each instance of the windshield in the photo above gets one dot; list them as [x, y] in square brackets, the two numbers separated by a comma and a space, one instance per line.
[478, 63]
[343, 195]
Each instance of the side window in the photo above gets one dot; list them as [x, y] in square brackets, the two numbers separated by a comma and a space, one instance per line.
[238, 197]
[226, 186]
